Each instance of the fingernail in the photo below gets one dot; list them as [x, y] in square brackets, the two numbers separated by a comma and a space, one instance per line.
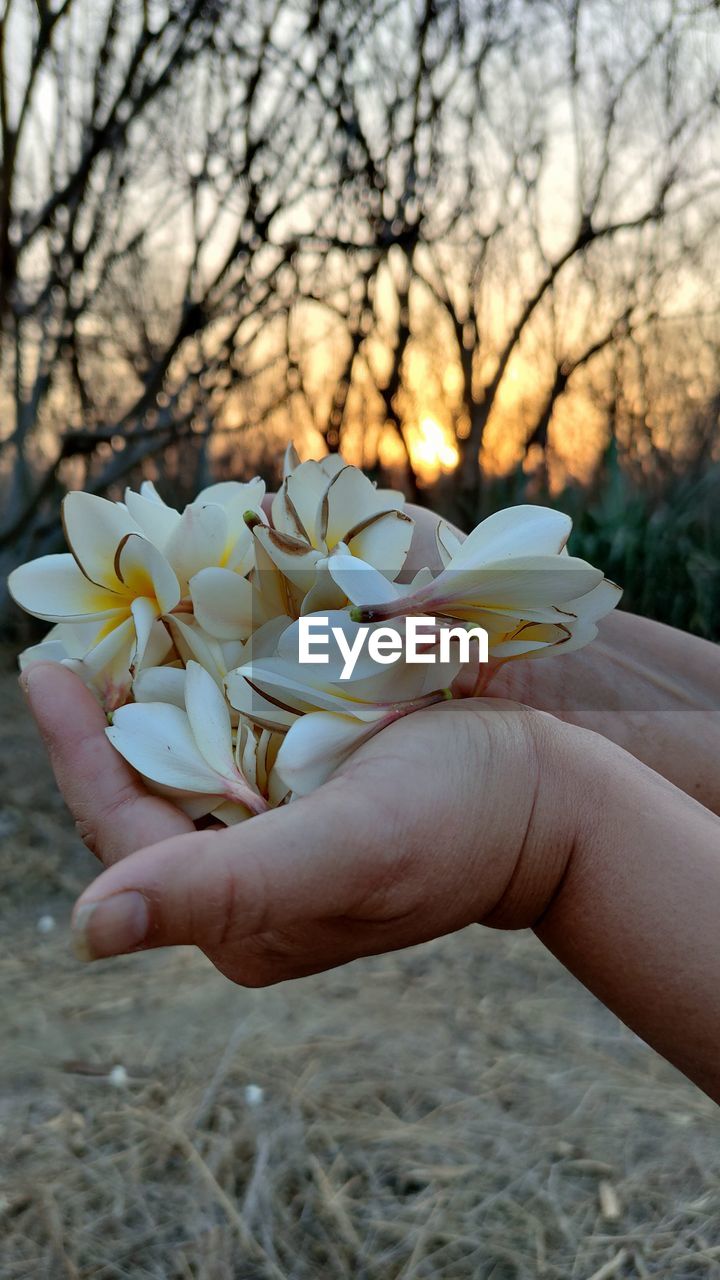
[111, 926]
[27, 676]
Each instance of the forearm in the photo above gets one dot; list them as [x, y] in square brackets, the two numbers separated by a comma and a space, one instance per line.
[635, 917]
[651, 689]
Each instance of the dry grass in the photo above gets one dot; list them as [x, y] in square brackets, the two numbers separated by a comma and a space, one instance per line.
[463, 1110]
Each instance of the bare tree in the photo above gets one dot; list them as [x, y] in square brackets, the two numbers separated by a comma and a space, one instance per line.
[150, 153]
[533, 184]
[337, 218]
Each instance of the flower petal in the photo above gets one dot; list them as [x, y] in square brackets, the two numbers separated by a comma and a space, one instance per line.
[106, 667]
[361, 583]
[301, 497]
[223, 603]
[596, 603]
[156, 521]
[516, 531]
[294, 687]
[148, 490]
[527, 639]
[159, 645]
[350, 500]
[332, 463]
[46, 651]
[198, 541]
[161, 684]
[384, 542]
[192, 641]
[93, 528]
[143, 569]
[291, 460]
[227, 493]
[209, 720]
[53, 587]
[447, 541]
[292, 556]
[316, 746]
[251, 702]
[532, 588]
[156, 739]
[520, 581]
[145, 613]
[324, 593]
[240, 545]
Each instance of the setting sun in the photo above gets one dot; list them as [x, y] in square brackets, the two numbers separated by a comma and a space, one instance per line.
[431, 450]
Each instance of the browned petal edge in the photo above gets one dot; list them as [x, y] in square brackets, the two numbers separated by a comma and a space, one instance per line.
[290, 509]
[275, 702]
[528, 625]
[373, 519]
[442, 549]
[285, 542]
[118, 552]
[563, 639]
[325, 504]
[291, 460]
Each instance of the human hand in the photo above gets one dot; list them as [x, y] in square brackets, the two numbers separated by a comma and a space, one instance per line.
[466, 811]
[649, 688]
[420, 833]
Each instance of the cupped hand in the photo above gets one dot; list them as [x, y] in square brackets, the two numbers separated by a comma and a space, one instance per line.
[647, 687]
[450, 816]
[419, 834]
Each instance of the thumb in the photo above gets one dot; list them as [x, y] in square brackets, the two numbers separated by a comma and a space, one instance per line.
[216, 888]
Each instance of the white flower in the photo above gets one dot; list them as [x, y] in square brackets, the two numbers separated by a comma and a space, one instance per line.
[184, 749]
[512, 576]
[115, 580]
[322, 509]
[324, 506]
[211, 530]
[130, 566]
[186, 625]
[325, 717]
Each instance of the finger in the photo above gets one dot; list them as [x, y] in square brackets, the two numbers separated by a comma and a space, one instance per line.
[113, 811]
[310, 860]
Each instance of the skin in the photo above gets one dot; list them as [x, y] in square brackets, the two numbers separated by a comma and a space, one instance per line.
[649, 688]
[511, 817]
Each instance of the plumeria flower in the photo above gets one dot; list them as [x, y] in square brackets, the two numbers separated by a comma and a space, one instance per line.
[130, 566]
[218, 657]
[210, 547]
[182, 745]
[116, 581]
[211, 531]
[512, 576]
[323, 506]
[102, 667]
[325, 716]
[186, 625]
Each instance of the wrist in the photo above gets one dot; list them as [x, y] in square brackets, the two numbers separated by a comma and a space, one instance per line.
[573, 775]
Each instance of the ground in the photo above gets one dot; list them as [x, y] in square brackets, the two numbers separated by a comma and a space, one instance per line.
[463, 1110]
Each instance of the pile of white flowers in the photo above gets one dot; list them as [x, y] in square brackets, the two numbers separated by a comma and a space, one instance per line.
[185, 626]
